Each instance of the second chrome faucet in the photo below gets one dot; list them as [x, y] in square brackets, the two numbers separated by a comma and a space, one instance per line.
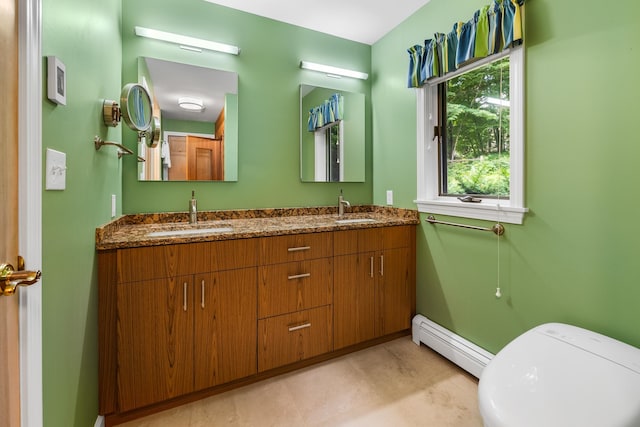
[193, 208]
[342, 203]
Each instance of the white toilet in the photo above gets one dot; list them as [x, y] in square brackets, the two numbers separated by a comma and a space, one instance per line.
[557, 375]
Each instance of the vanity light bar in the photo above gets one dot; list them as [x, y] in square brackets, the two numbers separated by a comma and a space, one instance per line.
[333, 71]
[186, 41]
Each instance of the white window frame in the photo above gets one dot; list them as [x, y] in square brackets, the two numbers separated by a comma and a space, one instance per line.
[322, 152]
[428, 200]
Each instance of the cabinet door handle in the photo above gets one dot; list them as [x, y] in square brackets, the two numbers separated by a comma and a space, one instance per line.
[371, 272]
[297, 328]
[184, 296]
[382, 265]
[202, 294]
[299, 276]
[300, 248]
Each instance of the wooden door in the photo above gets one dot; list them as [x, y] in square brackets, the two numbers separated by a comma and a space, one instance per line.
[225, 326]
[178, 155]
[354, 299]
[155, 340]
[10, 366]
[205, 158]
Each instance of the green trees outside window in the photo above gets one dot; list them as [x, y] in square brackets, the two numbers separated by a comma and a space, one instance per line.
[474, 156]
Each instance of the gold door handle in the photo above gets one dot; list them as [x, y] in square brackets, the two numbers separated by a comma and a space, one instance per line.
[10, 279]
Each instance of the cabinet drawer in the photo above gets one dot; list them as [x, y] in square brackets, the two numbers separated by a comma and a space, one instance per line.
[233, 254]
[294, 286]
[399, 236]
[373, 239]
[354, 241]
[156, 262]
[293, 337]
[296, 247]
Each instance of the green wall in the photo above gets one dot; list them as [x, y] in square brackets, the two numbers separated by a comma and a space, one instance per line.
[207, 128]
[574, 258]
[85, 36]
[269, 77]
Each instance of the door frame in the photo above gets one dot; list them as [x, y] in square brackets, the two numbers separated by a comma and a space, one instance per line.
[30, 207]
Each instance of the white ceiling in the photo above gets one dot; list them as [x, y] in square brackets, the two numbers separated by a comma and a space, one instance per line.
[172, 80]
[364, 21]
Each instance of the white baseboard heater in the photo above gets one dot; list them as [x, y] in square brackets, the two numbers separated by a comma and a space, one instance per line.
[463, 353]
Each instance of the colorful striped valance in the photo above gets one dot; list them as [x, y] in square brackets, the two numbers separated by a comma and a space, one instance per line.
[492, 29]
[329, 111]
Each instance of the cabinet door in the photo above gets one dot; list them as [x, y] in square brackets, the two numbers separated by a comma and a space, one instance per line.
[155, 341]
[225, 327]
[354, 299]
[395, 282]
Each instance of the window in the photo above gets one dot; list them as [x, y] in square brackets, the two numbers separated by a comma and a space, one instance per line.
[474, 132]
[470, 141]
[328, 153]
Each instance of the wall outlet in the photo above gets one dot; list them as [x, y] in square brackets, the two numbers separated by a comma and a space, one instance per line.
[113, 206]
[389, 197]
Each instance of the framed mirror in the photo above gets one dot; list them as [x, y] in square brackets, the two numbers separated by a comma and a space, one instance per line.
[332, 135]
[196, 115]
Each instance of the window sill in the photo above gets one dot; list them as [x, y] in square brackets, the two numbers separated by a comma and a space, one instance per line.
[490, 211]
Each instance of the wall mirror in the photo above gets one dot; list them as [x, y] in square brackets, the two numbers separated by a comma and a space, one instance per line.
[196, 115]
[332, 135]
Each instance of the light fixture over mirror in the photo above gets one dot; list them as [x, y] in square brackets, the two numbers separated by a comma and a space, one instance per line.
[332, 71]
[199, 142]
[332, 148]
[186, 42]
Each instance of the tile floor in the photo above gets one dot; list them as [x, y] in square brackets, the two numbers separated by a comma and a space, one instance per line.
[393, 384]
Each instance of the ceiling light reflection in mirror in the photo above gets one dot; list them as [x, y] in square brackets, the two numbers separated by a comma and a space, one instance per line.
[198, 112]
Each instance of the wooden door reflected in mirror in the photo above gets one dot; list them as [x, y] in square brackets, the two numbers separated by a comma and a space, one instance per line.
[196, 158]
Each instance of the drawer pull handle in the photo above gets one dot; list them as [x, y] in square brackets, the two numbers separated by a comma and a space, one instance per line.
[184, 296]
[299, 276]
[297, 328]
[300, 248]
[202, 294]
[382, 265]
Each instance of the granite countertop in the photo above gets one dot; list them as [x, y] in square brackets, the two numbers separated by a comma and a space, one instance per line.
[171, 228]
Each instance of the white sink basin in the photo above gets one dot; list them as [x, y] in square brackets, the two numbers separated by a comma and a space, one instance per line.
[354, 220]
[190, 232]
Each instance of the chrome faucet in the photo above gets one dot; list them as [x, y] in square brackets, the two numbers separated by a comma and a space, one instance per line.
[193, 209]
[341, 204]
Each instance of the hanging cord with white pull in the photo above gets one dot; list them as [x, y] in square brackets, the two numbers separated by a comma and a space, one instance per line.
[498, 291]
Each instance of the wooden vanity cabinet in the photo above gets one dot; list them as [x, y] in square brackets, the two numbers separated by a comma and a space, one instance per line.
[295, 295]
[180, 319]
[181, 326]
[374, 283]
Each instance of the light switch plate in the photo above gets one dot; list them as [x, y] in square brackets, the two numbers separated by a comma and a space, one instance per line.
[389, 197]
[56, 170]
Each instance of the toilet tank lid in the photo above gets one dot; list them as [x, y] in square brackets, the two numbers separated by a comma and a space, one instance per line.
[600, 345]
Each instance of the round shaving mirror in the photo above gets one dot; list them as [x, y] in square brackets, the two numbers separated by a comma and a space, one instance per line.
[136, 106]
[153, 134]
